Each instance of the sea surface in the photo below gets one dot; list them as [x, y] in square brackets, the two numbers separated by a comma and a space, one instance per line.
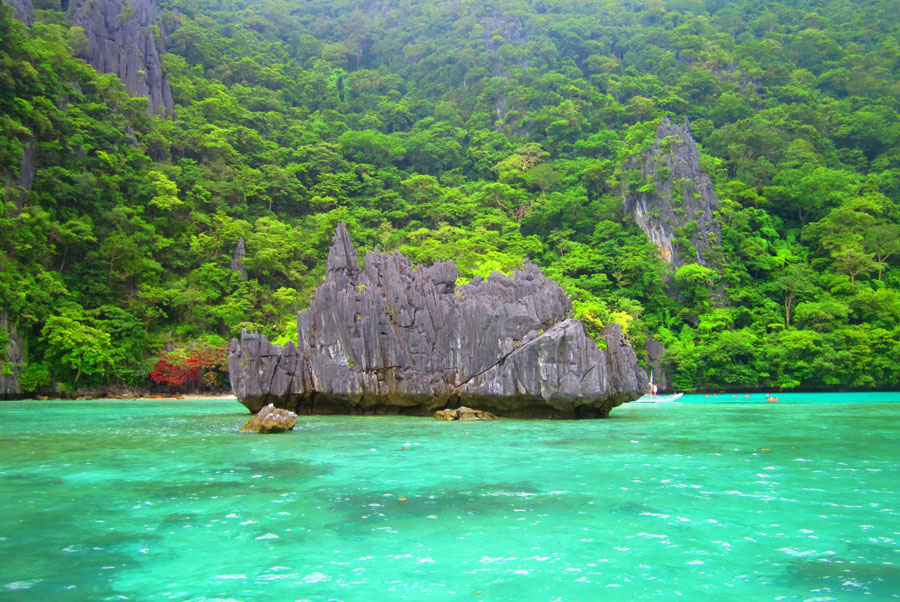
[713, 498]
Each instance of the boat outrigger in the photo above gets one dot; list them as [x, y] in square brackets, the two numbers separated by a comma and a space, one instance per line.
[652, 397]
[658, 398]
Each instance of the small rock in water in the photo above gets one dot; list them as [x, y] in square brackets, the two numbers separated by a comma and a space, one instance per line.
[270, 420]
[463, 413]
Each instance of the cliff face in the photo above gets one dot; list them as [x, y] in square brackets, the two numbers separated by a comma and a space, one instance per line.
[237, 259]
[673, 201]
[120, 40]
[24, 10]
[11, 359]
[395, 338]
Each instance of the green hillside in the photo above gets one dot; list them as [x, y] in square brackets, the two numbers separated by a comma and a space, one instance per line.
[480, 131]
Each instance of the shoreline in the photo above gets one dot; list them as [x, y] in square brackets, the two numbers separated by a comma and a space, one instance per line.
[185, 397]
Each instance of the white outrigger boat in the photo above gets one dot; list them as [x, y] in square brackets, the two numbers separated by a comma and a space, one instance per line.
[658, 398]
[652, 397]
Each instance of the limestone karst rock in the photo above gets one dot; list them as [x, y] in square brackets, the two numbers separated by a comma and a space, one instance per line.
[12, 358]
[655, 354]
[237, 259]
[24, 10]
[391, 337]
[673, 199]
[464, 414]
[121, 40]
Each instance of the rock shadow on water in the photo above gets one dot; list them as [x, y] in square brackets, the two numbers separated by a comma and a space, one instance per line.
[844, 577]
[361, 512]
[91, 561]
[228, 484]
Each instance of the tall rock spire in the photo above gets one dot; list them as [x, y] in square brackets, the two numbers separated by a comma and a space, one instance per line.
[342, 255]
[675, 202]
[237, 259]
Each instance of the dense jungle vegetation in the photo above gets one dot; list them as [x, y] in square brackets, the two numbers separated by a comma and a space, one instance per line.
[484, 131]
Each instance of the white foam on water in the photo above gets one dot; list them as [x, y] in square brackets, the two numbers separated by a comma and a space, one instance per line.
[19, 585]
[268, 536]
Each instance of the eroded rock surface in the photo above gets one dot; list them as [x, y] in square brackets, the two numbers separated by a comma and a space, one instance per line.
[464, 414]
[12, 358]
[24, 10]
[270, 420]
[120, 39]
[391, 337]
[673, 199]
[237, 259]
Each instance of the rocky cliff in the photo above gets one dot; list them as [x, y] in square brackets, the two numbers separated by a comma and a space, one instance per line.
[672, 200]
[237, 259]
[120, 40]
[12, 358]
[392, 337]
[24, 10]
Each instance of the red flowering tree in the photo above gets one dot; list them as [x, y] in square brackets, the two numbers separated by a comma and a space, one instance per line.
[190, 367]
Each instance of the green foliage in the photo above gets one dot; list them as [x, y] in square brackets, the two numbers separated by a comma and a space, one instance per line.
[486, 133]
[79, 348]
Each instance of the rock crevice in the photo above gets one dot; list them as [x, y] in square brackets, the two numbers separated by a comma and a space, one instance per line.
[391, 337]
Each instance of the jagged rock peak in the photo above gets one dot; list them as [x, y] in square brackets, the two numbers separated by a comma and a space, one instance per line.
[342, 255]
[674, 199]
[24, 10]
[237, 259]
[666, 128]
[399, 338]
[120, 40]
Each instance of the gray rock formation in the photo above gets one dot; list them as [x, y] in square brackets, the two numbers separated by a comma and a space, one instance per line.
[655, 353]
[237, 259]
[24, 10]
[11, 360]
[464, 414]
[270, 420]
[674, 201]
[396, 338]
[120, 40]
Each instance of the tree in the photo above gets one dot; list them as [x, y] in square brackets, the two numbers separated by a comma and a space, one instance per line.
[77, 346]
[853, 262]
[883, 242]
[794, 280]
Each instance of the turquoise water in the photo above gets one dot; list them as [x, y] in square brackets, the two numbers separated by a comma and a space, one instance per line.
[715, 498]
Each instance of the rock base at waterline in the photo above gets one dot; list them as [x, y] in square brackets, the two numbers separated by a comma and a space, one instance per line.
[463, 414]
[270, 420]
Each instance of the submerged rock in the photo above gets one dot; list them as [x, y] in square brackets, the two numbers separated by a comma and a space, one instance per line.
[393, 338]
[270, 420]
[464, 414]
